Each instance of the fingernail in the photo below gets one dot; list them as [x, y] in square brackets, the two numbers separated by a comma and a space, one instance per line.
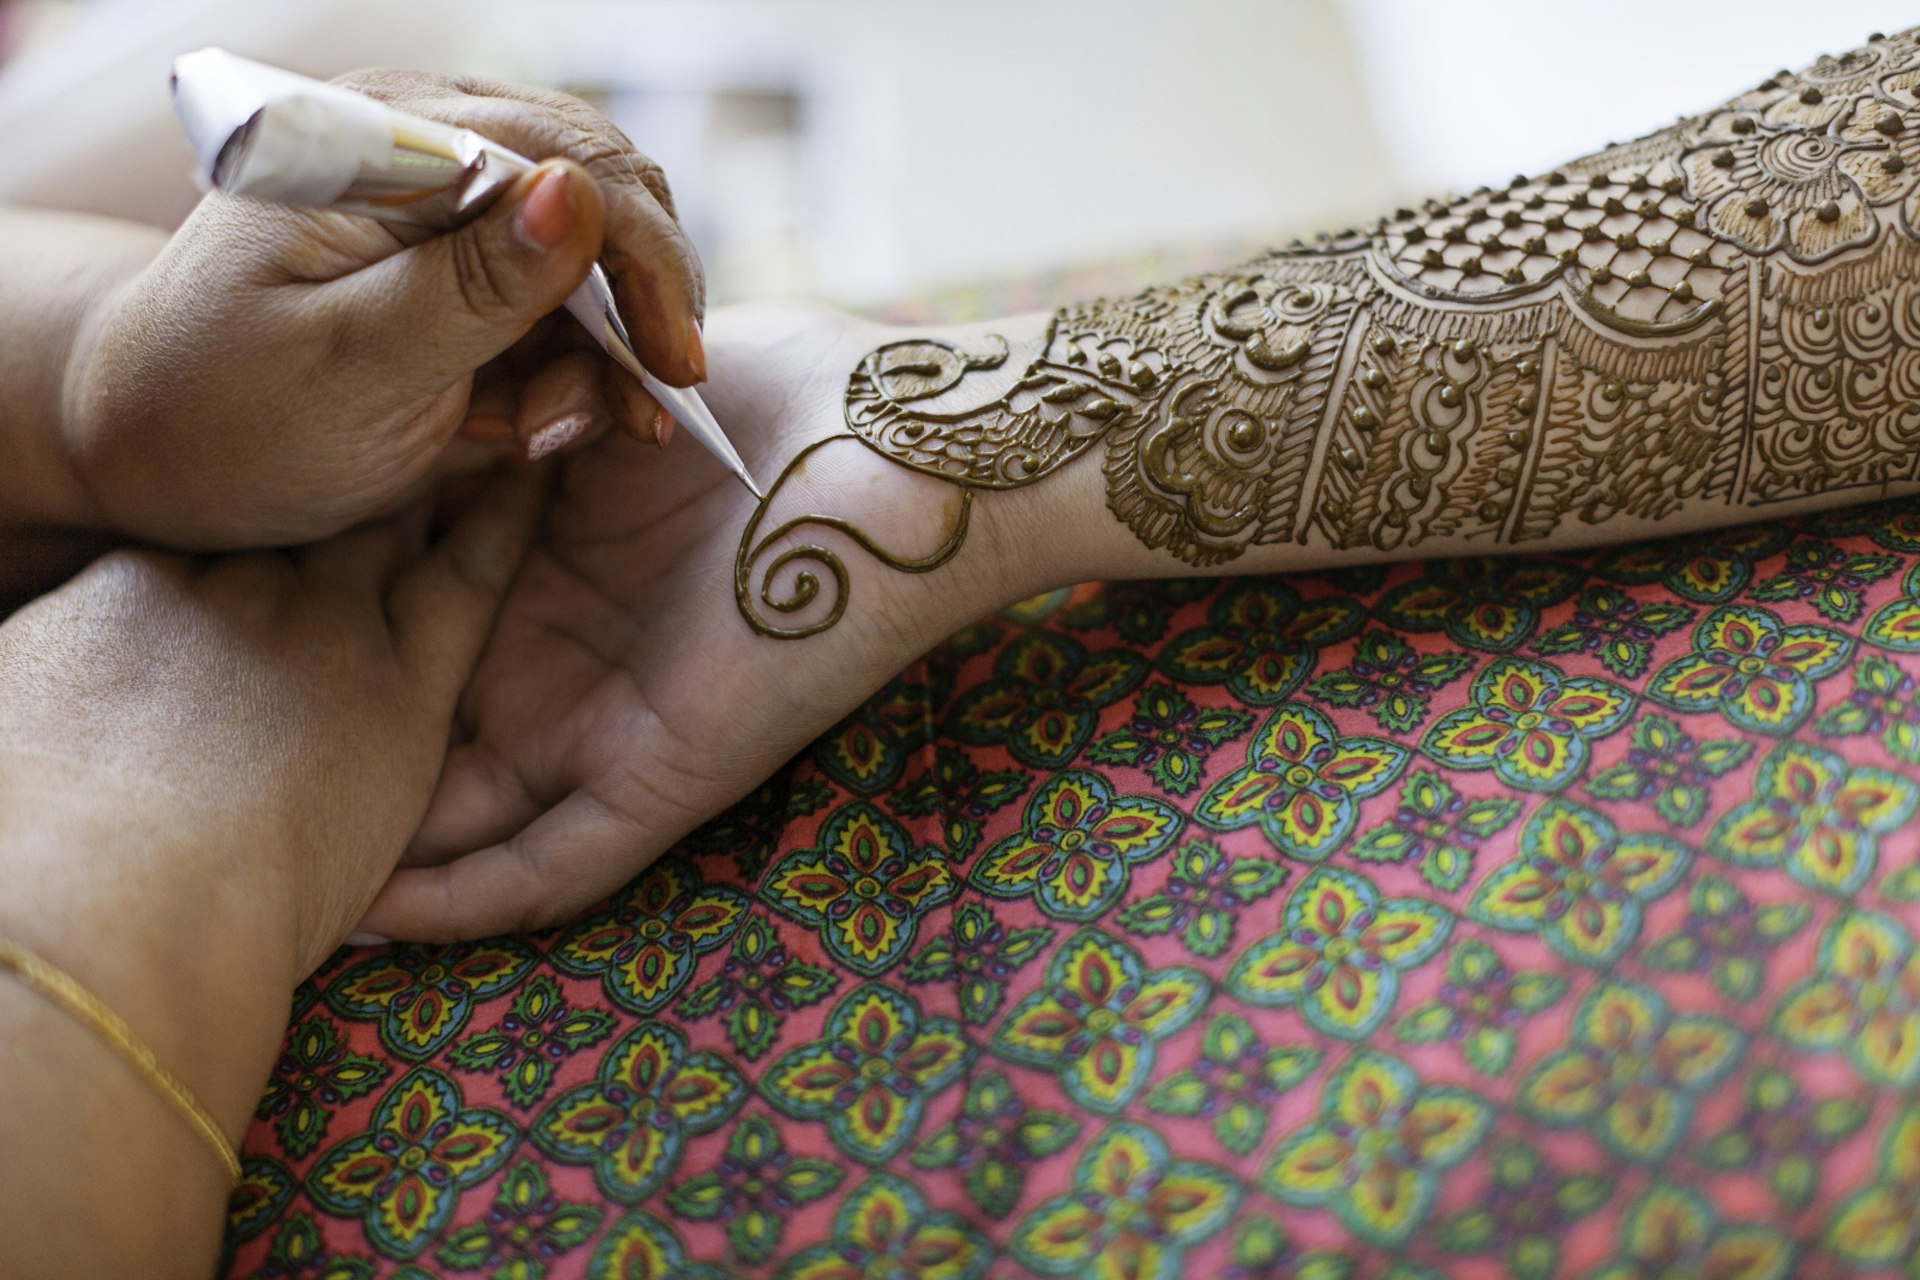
[662, 427]
[548, 215]
[696, 354]
[559, 432]
[366, 940]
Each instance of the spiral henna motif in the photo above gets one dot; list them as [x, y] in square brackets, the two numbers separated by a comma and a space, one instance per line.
[1725, 311]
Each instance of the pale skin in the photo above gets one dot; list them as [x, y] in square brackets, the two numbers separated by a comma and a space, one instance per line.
[620, 700]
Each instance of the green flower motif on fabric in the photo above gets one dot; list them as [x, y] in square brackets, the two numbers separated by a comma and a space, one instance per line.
[1302, 783]
[758, 984]
[644, 944]
[1098, 1018]
[871, 1074]
[299, 1252]
[863, 887]
[1077, 840]
[868, 751]
[1751, 668]
[1481, 1006]
[1438, 828]
[315, 1073]
[1896, 624]
[750, 831]
[632, 1121]
[1483, 603]
[1262, 1250]
[1390, 680]
[1863, 1000]
[1785, 1134]
[641, 1247]
[977, 955]
[539, 1033]
[1615, 628]
[1261, 641]
[526, 1229]
[1725, 935]
[1524, 1213]
[883, 1229]
[1045, 698]
[754, 1189]
[1234, 1083]
[261, 1196]
[1665, 764]
[403, 1175]
[1528, 723]
[1816, 817]
[962, 795]
[1133, 1211]
[1376, 1154]
[1579, 883]
[1834, 580]
[1708, 568]
[1203, 895]
[422, 996]
[1170, 738]
[1339, 953]
[1884, 703]
[1879, 1225]
[1672, 1231]
[1632, 1073]
[994, 1140]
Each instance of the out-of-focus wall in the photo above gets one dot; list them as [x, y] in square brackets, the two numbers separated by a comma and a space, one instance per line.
[852, 149]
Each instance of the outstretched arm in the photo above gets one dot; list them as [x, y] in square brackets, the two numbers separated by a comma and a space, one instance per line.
[1719, 322]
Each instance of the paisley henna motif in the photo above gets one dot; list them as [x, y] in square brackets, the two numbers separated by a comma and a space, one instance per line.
[1726, 311]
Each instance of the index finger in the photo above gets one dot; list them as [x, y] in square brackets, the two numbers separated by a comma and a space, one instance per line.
[656, 272]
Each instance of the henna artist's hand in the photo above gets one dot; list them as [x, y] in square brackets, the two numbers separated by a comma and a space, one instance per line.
[623, 699]
[276, 375]
[260, 731]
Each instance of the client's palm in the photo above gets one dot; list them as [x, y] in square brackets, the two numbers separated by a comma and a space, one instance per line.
[623, 700]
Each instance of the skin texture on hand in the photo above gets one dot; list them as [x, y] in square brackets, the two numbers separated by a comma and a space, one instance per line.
[276, 375]
[1716, 323]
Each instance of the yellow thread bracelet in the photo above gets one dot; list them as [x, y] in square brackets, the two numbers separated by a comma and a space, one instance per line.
[57, 986]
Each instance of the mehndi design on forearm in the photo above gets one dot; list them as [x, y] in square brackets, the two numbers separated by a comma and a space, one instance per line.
[1726, 311]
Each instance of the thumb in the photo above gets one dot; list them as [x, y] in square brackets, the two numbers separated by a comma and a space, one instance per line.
[442, 308]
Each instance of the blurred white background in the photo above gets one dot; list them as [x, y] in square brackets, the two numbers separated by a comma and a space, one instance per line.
[861, 150]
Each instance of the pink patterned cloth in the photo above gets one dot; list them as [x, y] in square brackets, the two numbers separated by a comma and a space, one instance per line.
[1534, 917]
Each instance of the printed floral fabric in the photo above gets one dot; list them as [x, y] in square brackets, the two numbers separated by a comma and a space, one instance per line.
[1536, 917]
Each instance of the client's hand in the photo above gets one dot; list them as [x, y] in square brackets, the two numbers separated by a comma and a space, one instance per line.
[277, 375]
[242, 743]
[623, 700]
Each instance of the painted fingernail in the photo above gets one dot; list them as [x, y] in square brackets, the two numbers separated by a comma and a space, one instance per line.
[367, 940]
[696, 354]
[548, 215]
[662, 427]
[561, 431]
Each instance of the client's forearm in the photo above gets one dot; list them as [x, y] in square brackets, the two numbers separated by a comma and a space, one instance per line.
[1717, 323]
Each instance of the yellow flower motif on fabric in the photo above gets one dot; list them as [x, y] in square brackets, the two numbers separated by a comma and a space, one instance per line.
[1075, 845]
[1133, 1211]
[644, 945]
[1528, 723]
[1302, 784]
[862, 886]
[1339, 953]
[1633, 1072]
[641, 1247]
[1863, 1000]
[1879, 1225]
[1671, 1231]
[1816, 816]
[1579, 883]
[1376, 1153]
[884, 1229]
[870, 1074]
[1099, 1017]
